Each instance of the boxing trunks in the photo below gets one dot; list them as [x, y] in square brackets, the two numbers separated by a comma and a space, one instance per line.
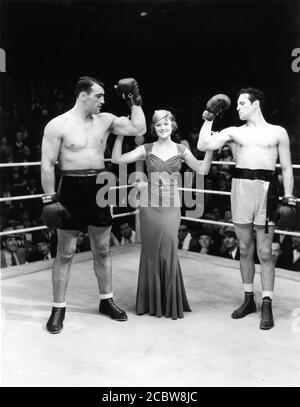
[254, 196]
[77, 191]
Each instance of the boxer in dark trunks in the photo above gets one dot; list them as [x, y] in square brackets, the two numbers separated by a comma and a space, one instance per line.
[77, 139]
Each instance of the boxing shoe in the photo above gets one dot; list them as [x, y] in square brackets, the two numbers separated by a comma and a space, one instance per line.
[55, 322]
[267, 321]
[108, 307]
[246, 308]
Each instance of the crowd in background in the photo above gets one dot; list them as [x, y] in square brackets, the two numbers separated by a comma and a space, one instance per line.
[28, 107]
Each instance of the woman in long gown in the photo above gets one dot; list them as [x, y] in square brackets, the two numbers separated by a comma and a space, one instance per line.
[160, 289]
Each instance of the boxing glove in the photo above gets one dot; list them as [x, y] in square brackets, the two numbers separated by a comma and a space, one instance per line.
[54, 213]
[286, 213]
[128, 89]
[217, 104]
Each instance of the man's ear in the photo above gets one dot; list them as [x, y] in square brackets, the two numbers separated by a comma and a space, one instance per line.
[256, 103]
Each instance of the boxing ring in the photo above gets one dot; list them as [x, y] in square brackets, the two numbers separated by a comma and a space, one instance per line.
[205, 348]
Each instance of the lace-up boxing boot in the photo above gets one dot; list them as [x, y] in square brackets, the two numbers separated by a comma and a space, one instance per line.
[246, 308]
[55, 322]
[267, 321]
[108, 307]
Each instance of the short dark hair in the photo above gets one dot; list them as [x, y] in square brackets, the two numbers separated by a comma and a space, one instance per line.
[230, 233]
[254, 94]
[85, 83]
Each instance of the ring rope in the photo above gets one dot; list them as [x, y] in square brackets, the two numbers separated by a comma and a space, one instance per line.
[23, 197]
[208, 191]
[213, 222]
[35, 228]
[26, 164]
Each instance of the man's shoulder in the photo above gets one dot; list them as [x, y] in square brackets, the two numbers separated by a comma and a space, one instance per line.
[105, 119]
[276, 128]
[105, 116]
[57, 121]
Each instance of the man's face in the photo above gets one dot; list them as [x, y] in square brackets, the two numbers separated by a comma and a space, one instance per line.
[204, 241]
[244, 107]
[276, 251]
[182, 232]
[43, 248]
[95, 99]
[229, 242]
[11, 244]
[227, 216]
[125, 230]
[80, 238]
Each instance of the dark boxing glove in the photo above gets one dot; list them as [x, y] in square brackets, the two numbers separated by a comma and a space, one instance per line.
[286, 213]
[216, 105]
[128, 89]
[54, 213]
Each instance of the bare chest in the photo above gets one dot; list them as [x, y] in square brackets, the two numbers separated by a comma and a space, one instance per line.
[79, 136]
[257, 139]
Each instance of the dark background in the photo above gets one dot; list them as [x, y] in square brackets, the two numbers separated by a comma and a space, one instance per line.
[181, 52]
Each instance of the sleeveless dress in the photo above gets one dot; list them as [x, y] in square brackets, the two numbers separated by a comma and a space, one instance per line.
[160, 289]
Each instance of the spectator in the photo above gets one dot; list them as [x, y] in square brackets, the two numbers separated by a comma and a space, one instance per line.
[226, 155]
[127, 233]
[230, 244]
[42, 252]
[206, 243]
[17, 182]
[25, 241]
[184, 237]
[228, 216]
[6, 151]
[48, 235]
[276, 251]
[18, 147]
[11, 254]
[295, 265]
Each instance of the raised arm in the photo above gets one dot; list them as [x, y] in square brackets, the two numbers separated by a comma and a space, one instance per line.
[50, 150]
[208, 141]
[133, 126]
[285, 161]
[135, 155]
[201, 166]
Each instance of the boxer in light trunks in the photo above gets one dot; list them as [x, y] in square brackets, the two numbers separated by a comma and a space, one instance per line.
[77, 139]
[256, 146]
